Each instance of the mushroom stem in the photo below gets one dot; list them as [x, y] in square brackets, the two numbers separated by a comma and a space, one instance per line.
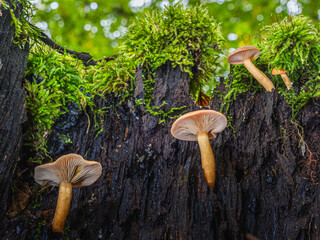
[207, 158]
[63, 206]
[260, 76]
[286, 80]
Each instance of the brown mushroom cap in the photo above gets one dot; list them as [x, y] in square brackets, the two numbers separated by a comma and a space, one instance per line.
[68, 168]
[188, 125]
[277, 72]
[238, 55]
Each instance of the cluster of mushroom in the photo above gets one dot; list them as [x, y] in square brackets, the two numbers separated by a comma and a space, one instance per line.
[245, 55]
[68, 171]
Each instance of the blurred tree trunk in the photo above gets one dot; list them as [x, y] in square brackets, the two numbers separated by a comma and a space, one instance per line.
[13, 62]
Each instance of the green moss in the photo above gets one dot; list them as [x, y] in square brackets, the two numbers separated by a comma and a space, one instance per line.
[116, 76]
[55, 81]
[292, 44]
[157, 111]
[66, 138]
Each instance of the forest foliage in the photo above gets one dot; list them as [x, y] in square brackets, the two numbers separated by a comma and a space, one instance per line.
[99, 26]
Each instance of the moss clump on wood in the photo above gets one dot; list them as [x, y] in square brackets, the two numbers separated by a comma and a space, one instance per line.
[292, 44]
[54, 81]
[188, 38]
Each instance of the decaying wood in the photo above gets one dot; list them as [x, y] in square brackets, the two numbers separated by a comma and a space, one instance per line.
[152, 185]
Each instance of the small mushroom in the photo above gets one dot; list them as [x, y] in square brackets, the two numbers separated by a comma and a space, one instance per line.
[284, 76]
[201, 126]
[68, 171]
[244, 55]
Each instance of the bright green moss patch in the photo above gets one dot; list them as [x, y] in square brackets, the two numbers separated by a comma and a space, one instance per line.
[116, 76]
[292, 44]
[55, 81]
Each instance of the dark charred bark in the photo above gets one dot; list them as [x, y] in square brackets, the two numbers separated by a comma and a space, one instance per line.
[152, 185]
[13, 62]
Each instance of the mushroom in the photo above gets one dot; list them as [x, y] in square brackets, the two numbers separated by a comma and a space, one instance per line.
[244, 55]
[68, 171]
[284, 76]
[201, 126]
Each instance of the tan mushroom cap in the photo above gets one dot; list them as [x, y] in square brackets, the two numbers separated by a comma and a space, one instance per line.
[277, 72]
[238, 55]
[68, 168]
[188, 125]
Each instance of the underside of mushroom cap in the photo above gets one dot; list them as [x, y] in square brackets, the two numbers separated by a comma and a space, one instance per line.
[68, 168]
[188, 125]
[238, 55]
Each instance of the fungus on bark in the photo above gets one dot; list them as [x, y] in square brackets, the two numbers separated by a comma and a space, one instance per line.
[68, 171]
[284, 76]
[201, 126]
[244, 55]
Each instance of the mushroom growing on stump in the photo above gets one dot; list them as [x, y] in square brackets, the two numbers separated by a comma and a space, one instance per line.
[68, 171]
[201, 126]
[244, 56]
[284, 76]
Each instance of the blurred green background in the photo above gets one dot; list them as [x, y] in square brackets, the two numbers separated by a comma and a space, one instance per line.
[97, 26]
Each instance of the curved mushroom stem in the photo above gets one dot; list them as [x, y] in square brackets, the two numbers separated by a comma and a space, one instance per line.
[63, 206]
[286, 80]
[260, 76]
[207, 158]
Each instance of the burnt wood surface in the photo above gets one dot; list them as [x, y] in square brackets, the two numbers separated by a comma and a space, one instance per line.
[152, 185]
[13, 62]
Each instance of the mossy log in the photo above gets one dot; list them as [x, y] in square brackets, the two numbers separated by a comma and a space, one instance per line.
[13, 61]
[152, 184]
